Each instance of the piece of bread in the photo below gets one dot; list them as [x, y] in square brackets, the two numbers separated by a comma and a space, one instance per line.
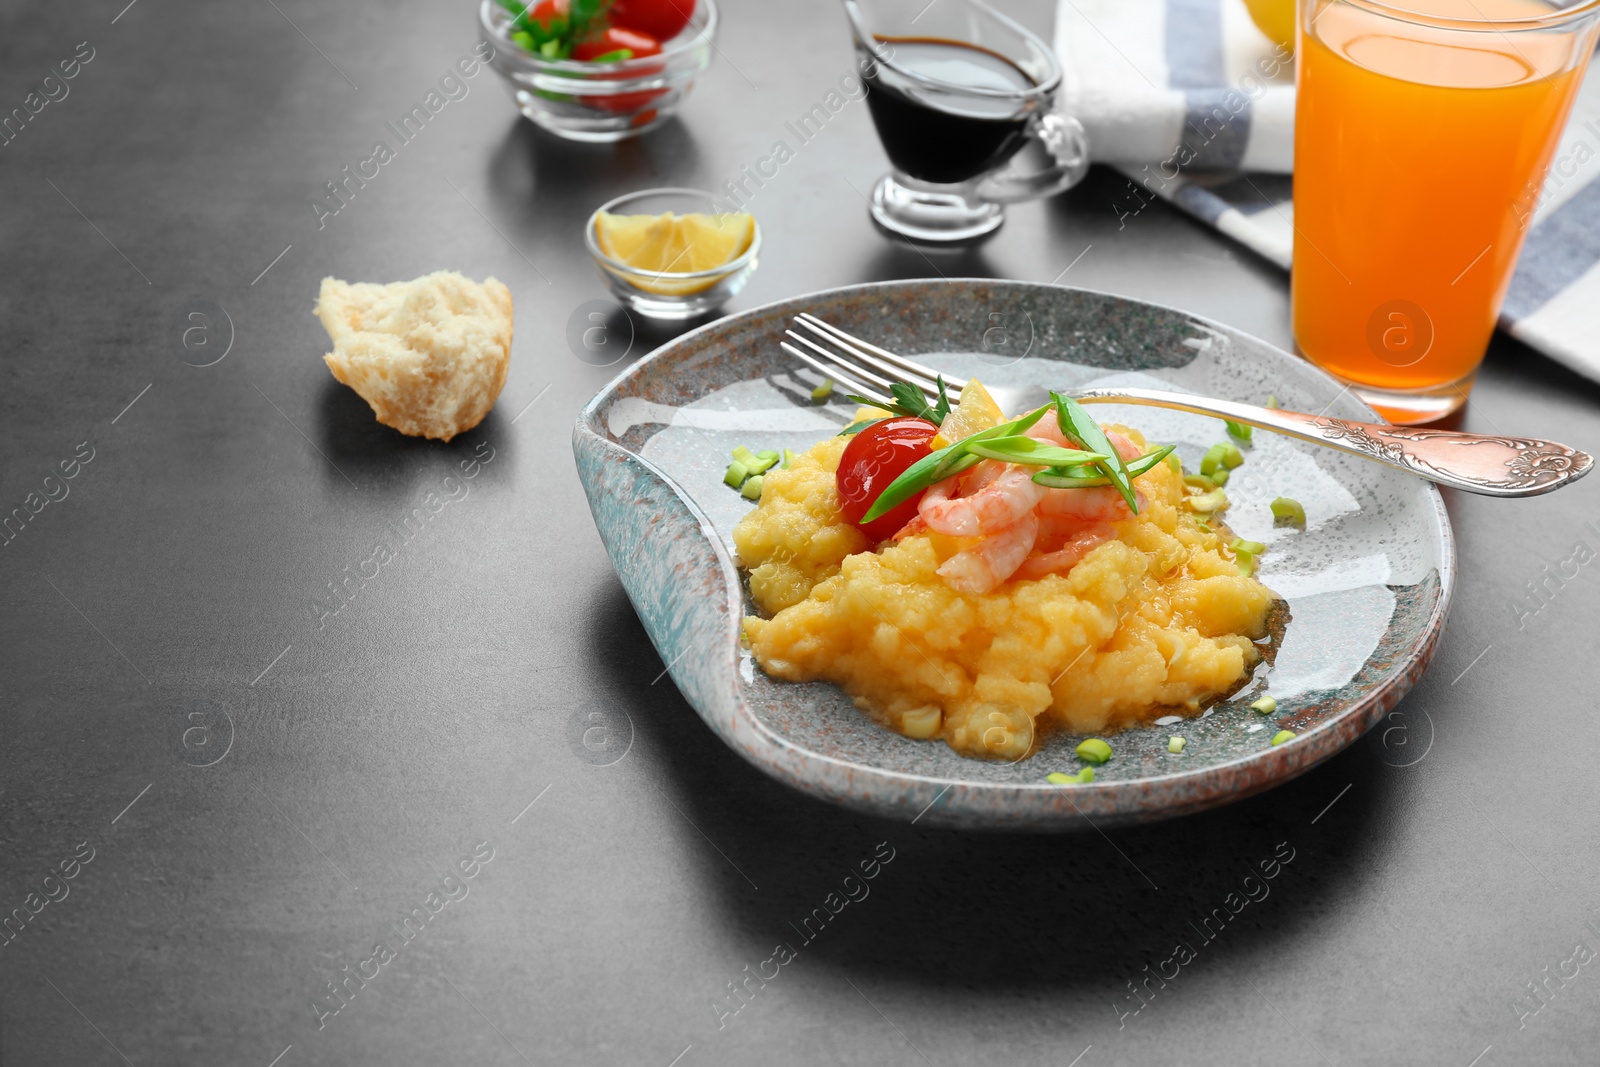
[429, 355]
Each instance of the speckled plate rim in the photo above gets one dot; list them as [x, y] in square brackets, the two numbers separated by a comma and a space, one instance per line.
[935, 800]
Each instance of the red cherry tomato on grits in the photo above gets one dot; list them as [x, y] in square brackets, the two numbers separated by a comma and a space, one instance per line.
[614, 39]
[661, 19]
[875, 457]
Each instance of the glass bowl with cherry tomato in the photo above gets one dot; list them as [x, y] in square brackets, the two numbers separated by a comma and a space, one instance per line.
[599, 70]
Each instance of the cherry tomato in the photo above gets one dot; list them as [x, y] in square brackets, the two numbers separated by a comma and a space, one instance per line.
[610, 40]
[875, 457]
[547, 11]
[613, 39]
[661, 19]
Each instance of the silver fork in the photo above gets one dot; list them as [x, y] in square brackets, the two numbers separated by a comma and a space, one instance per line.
[1476, 463]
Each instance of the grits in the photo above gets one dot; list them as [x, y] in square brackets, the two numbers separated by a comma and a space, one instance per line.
[1155, 621]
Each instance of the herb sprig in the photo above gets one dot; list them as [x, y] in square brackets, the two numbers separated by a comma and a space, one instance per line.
[909, 400]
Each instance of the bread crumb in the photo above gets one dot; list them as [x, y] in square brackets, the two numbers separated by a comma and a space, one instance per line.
[429, 355]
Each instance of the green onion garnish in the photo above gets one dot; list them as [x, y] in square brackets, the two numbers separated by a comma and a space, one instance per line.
[1078, 478]
[1200, 482]
[1255, 548]
[737, 473]
[1175, 463]
[1281, 736]
[1238, 430]
[1175, 745]
[1031, 451]
[1272, 401]
[1215, 500]
[1225, 454]
[1086, 775]
[946, 462]
[1266, 706]
[1057, 778]
[788, 459]
[1219, 477]
[1288, 512]
[743, 455]
[1079, 426]
[1093, 750]
[821, 393]
[752, 488]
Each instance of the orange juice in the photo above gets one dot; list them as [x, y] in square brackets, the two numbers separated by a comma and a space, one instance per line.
[1419, 154]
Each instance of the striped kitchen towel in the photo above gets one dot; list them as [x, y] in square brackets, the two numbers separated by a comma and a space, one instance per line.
[1196, 107]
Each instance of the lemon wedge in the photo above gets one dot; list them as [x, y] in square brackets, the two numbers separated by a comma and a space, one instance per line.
[976, 411]
[675, 244]
[1275, 18]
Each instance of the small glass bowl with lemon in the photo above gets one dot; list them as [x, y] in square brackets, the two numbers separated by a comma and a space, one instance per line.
[670, 253]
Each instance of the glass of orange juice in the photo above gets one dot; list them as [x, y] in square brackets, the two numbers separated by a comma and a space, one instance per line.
[1423, 129]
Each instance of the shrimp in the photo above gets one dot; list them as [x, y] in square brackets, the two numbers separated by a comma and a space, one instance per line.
[984, 566]
[1077, 544]
[1099, 503]
[1007, 493]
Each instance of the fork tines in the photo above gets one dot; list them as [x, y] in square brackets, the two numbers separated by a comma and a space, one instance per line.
[853, 362]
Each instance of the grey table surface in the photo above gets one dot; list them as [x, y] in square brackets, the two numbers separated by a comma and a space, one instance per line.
[162, 615]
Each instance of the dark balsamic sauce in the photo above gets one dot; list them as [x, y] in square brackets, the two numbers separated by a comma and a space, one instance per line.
[946, 137]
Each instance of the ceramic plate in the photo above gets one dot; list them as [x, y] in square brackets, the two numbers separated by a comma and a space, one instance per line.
[1364, 587]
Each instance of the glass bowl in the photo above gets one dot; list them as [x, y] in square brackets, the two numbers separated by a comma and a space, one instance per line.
[602, 102]
[671, 294]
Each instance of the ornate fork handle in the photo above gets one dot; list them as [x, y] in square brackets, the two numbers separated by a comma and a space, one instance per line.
[1475, 463]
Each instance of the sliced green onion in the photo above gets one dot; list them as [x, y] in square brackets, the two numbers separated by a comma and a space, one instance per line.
[1175, 745]
[1220, 455]
[766, 459]
[1238, 430]
[1266, 706]
[1031, 451]
[1200, 482]
[743, 455]
[788, 459]
[616, 55]
[821, 393]
[752, 488]
[947, 461]
[1281, 736]
[1215, 500]
[1057, 778]
[737, 473]
[1069, 478]
[1219, 477]
[1288, 512]
[1086, 775]
[1245, 563]
[1175, 463]
[1255, 548]
[1078, 425]
[1272, 401]
[1093, 750]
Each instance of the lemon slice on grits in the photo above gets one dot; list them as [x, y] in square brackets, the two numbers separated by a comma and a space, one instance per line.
[675, 244]
[976, 411]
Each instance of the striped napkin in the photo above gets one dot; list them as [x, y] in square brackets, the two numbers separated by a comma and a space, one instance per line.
[1196, 106]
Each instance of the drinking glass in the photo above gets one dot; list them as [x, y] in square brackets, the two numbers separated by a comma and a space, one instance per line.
[957, 91]
[1422, 137]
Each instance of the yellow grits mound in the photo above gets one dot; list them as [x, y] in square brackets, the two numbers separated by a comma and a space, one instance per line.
[1153, 623]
